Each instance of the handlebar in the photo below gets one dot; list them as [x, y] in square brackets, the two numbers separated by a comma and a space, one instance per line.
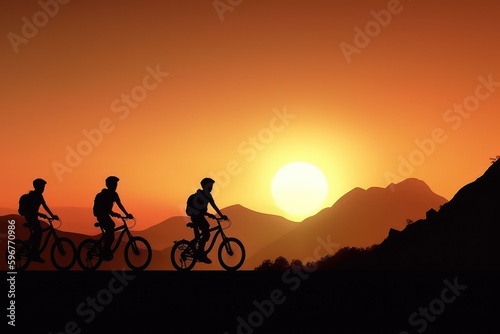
[50, 220]
[125, 218]
[220, 219]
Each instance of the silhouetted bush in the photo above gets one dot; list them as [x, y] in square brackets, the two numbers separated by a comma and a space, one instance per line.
[347, 256]
[280, 263]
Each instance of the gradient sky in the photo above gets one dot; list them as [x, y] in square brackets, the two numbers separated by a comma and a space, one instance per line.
[227, 80]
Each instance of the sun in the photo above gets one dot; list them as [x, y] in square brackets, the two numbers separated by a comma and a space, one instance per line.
[299, 189]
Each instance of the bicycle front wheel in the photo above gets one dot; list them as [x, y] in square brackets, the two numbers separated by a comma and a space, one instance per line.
[89, 254]
[231, 254]
[182, 256]
[21, 255]
[63, 254]
[138, 253]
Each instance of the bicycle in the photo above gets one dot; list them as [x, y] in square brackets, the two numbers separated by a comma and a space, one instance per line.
[138, 252]
[231, 253]
[62, 252]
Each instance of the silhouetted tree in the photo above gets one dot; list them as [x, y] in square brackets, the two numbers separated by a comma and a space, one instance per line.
[281, 263]
[296, 264]
[265, 265]
[313, 265]
[346, 258]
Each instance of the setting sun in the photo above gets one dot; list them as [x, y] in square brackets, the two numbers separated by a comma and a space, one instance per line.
[299, 189]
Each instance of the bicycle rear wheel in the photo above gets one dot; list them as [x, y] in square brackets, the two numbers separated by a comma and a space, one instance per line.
[182, 256]
[89, 254]
[63, 254]
[231, 254]
[138, 253]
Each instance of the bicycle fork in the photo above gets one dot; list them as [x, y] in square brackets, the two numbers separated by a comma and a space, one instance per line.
[60, 248]
[228, 248]
[135, 249]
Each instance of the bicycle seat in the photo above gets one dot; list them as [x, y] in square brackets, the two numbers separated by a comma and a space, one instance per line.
[190, 225]
[97, 224]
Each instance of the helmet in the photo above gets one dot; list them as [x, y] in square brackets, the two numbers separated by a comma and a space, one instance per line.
[111, 180]
[39, 182]
[206, 181]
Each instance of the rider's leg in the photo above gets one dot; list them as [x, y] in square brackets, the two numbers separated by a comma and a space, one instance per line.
[109, 235]
[36, 239]
[204, 227]
[193, 243]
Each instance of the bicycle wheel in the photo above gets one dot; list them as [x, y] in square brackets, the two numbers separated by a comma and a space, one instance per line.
[63, 254]
[182, 256]
[231, 254]
[138, 253]
[89, 254]
[22, 255]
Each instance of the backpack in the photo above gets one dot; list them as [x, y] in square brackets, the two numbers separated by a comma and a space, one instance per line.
[196, 204]
[98, 209]
[190, 210]
[24, 204]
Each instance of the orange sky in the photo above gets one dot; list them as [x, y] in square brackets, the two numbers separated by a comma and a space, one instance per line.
[89, 67]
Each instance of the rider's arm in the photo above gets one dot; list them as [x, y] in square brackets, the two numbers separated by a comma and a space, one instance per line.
[46, 208]
[212, 203]
[120, 205]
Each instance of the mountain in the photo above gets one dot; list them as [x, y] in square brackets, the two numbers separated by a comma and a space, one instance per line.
[7, 211]
[255, 230]
[360, 218]
[160, 261]
[75, 219]
[23, 234]
[462, 234]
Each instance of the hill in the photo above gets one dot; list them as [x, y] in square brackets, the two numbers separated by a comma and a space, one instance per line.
[256, 231]
[75, 219]
[462, 234]
[159, 261]
[360, 218]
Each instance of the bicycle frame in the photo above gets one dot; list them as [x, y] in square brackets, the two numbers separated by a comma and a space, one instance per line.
[219, 230]
[125, 229]
[231, 252]
[93, 251]
[51, 231]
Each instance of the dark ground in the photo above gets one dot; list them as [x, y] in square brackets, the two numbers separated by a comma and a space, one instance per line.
[211, 302]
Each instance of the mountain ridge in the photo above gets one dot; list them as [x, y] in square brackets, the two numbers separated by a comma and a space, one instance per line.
[461, 234]
[360, 218]
[261, 232]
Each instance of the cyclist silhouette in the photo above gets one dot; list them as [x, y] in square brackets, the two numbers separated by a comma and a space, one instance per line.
[103, 210]
[34, 199]
[197, 205]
